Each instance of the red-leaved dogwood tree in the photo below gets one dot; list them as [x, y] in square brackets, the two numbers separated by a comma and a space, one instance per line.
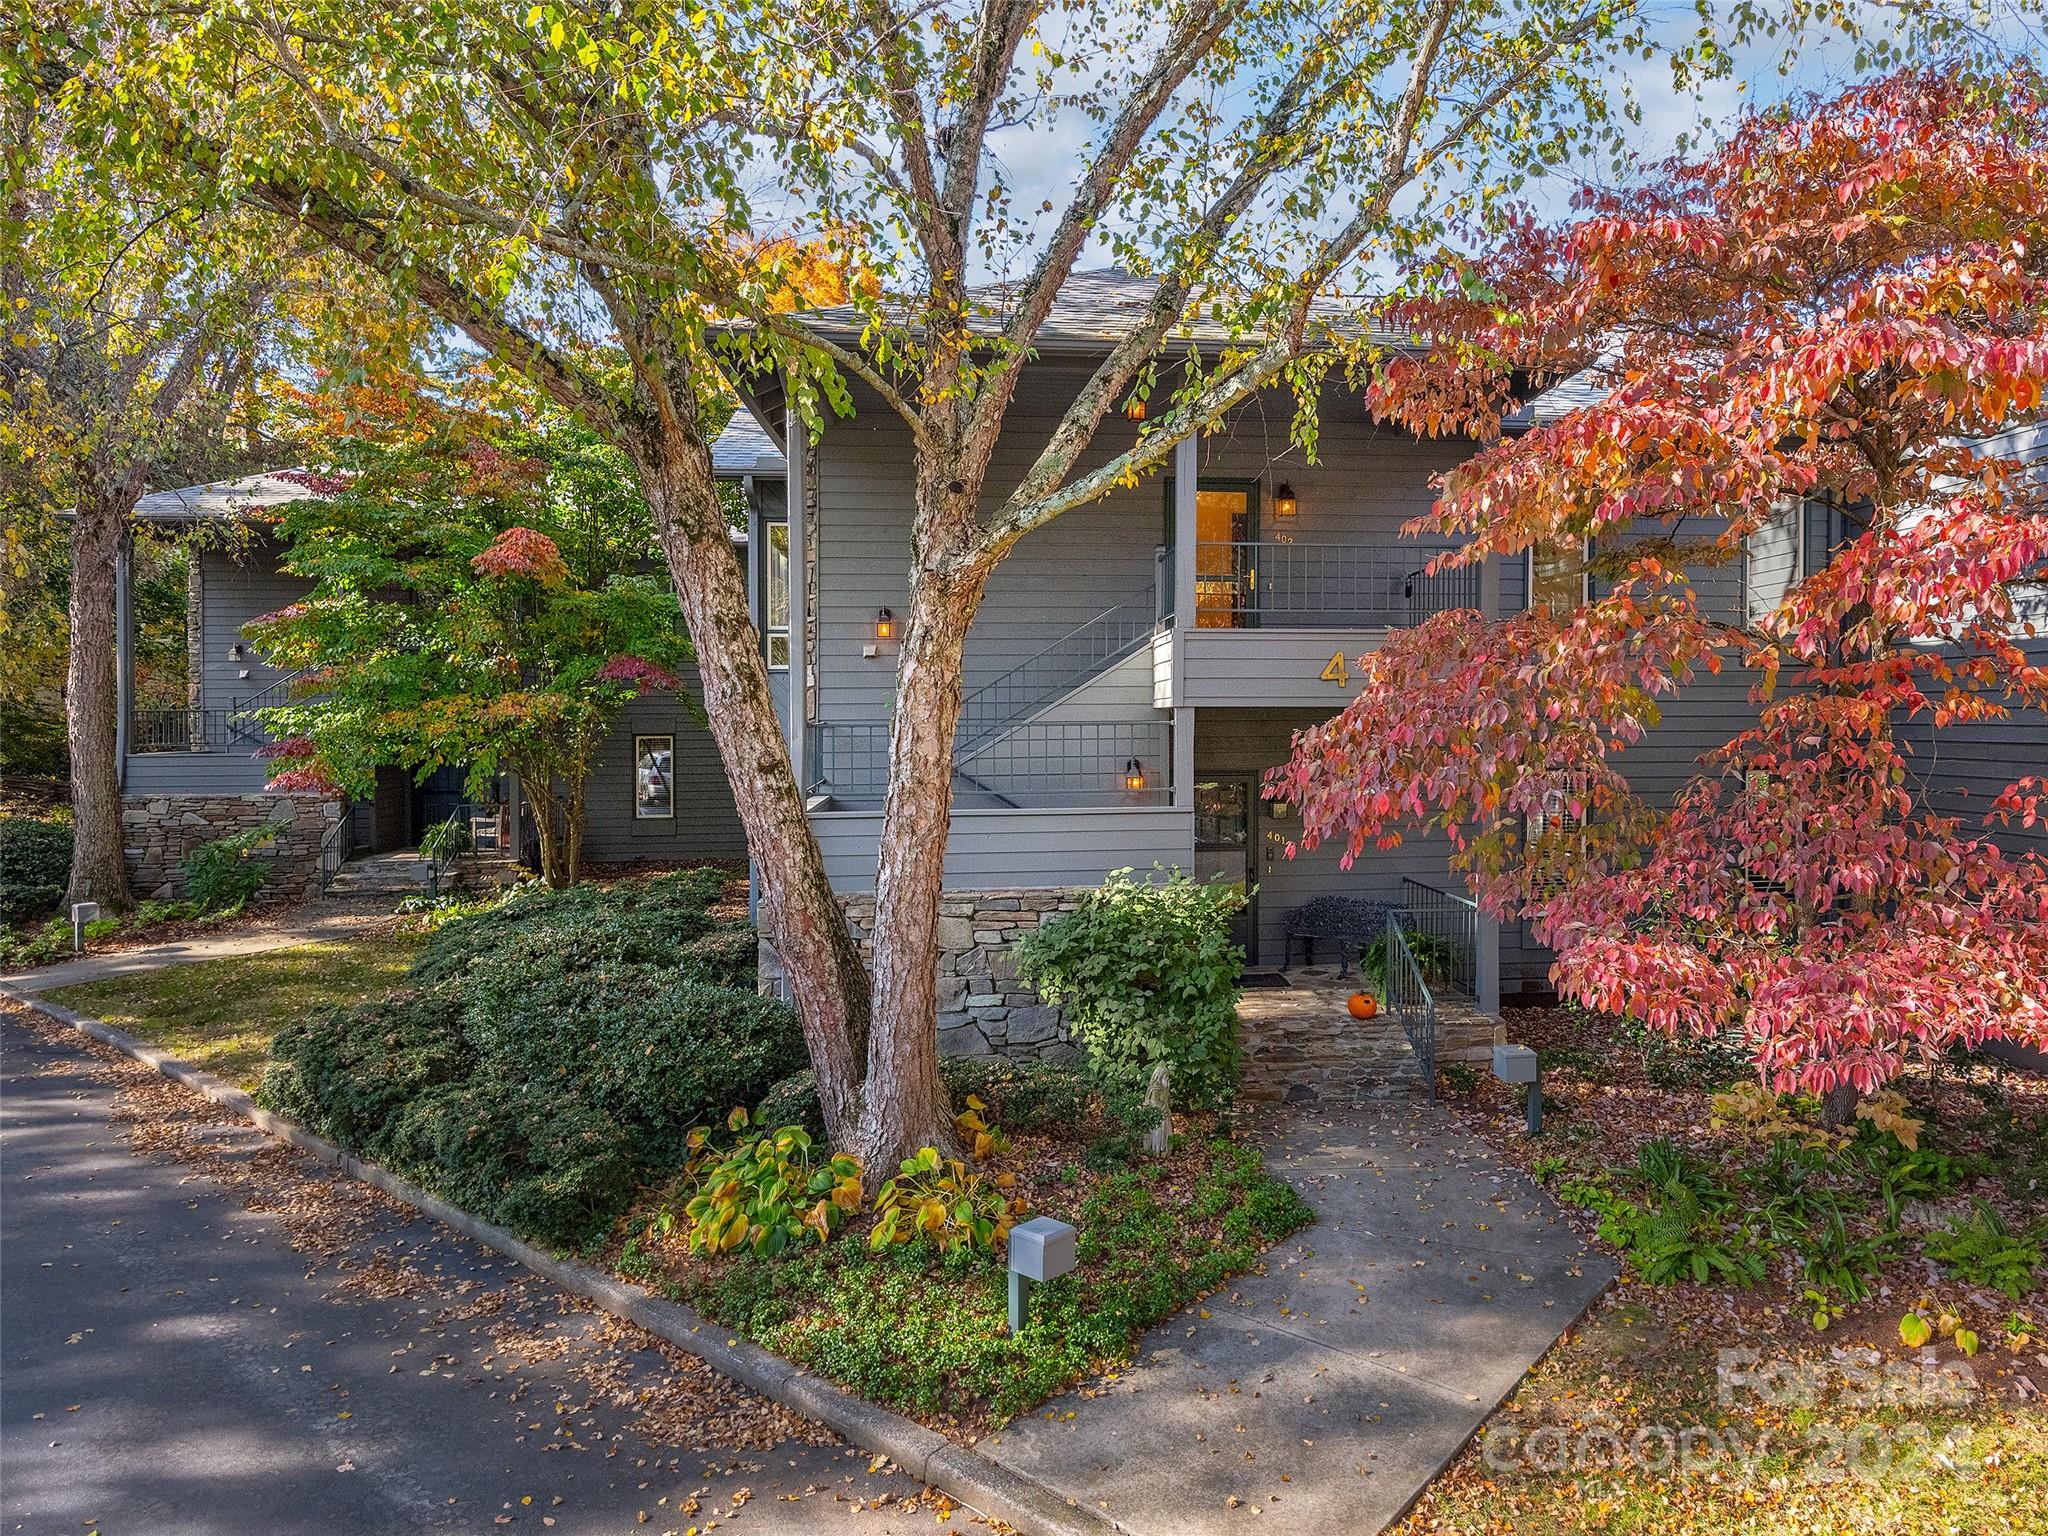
[1843, 312]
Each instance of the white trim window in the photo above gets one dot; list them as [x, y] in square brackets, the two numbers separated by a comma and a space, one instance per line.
[654, 778]
[775, 595]
[1560, 578]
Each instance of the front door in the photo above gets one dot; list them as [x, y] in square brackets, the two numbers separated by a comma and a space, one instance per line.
[1223, 847]
[1226, 552]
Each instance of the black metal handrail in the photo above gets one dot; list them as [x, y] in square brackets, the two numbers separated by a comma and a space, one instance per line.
[1453, 918]
[336, 844]
[1288, 584]
[1065, 763]
[1410, 1001]
[1086, 651]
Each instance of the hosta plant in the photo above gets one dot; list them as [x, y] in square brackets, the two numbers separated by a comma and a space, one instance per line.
[938, 1199]
[767, 1190]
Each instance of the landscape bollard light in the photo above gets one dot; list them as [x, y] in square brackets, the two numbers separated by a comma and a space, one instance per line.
[82, 912]
[1517, 1064]
[1041, 1249]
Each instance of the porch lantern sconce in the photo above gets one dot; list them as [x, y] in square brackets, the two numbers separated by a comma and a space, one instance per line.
[885, 625]
[1134, 774]
[1285, 502]
[1041, 1249]
[1134, 409]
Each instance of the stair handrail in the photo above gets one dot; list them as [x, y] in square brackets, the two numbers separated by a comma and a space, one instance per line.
[1410, 1001]
[1143, 603]
[336, 844]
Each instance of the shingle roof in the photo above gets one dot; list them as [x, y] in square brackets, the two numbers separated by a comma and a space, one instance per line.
[220, 498]
[1096, 308]
[744, 448]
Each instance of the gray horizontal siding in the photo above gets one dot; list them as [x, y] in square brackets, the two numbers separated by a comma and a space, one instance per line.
[195, 773]
[1013, 848]
[1369, 480]
[1774, 552]
[238, 589]
[706, 824]
[1278, 668]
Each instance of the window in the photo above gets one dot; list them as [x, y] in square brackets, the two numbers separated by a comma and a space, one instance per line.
[1559, 577]
[775, 595]
[654, 766]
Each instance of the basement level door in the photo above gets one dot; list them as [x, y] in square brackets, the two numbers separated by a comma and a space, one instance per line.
[1223, 848]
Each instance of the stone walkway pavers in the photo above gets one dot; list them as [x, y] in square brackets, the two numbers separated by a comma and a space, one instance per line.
[1329, 1390]
[1303, 1048]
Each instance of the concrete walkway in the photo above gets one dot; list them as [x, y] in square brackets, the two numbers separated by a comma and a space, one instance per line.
[1331, 1389]
[310, 925]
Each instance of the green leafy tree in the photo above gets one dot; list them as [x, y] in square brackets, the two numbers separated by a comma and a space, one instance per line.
[482, 598]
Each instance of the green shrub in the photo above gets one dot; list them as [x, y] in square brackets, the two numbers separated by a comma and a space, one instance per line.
[445, 841]
[35, 866]
[1980, 1249]
[1022, 1097]
[1146, 972]
[536, 1080]
[765, 1191]
[222, 875]
[644, 921]
[1433, 954]
[905, 1328]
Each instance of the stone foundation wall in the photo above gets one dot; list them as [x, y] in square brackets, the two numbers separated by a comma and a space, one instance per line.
[159, 830]
[983, 1009]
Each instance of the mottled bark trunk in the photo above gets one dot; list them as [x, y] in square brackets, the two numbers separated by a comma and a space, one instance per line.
[91, 700]
[1838, 1108]
[823, 968]
[906, 1101]
[547, 825]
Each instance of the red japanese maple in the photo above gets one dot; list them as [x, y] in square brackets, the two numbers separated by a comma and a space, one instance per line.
[1846, 305]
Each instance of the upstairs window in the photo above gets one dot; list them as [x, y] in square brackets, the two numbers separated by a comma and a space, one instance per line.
[775, 594]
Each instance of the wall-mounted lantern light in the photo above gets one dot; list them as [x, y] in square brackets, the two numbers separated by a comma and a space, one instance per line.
[1285, 502]
[1134, 409]
[1134, 774]
[885, 625]
[235, 650]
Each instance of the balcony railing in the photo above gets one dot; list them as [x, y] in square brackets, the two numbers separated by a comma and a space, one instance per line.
[191, 730]
[1452, 918]
[1044, 764]
[1267, 584]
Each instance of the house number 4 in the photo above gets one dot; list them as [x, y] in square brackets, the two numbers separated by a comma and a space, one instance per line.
[1334, 670]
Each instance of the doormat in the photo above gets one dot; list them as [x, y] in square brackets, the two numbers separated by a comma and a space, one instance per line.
[1251, 979]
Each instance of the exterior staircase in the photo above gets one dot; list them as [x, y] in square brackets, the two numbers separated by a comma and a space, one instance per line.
[1007, 752]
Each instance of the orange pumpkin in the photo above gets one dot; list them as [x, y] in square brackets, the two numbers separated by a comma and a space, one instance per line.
[1363, 1005]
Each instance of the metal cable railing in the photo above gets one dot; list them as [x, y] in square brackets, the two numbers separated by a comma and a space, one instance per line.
[1410, 1001]
[1453, 919]
[1068, 763]
[1087, 650]
[1266, 584]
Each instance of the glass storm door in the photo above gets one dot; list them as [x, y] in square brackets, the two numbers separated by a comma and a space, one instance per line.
[1223, 848]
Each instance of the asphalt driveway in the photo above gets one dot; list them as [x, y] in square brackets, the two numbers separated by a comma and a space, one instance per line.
[204, 1334]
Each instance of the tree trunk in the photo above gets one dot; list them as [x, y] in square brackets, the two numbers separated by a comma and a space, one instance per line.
[906, 1102]
[828, 982]
[91, 699]
[547, 805]
[1838, 1108]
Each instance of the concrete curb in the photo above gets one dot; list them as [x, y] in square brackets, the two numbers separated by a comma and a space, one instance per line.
[965, 1475]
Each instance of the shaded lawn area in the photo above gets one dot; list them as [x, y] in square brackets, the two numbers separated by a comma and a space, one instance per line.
[221, 1014]
[1683, 1409]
